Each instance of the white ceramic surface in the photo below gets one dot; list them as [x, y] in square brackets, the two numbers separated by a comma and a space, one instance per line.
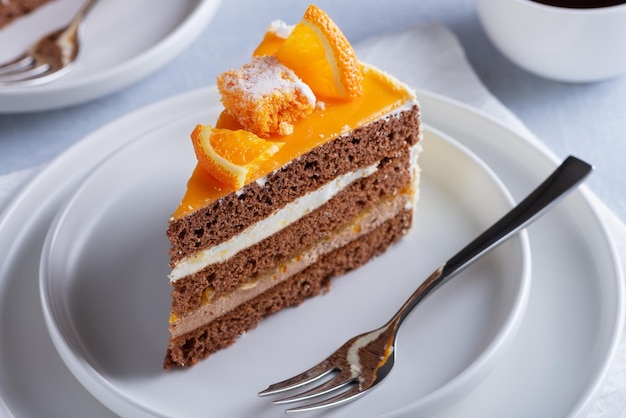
[574, 315]
[121, 42]
[106, 298]
[573, 45]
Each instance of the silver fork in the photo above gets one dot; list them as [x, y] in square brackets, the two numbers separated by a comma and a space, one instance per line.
[49, 58]
[365, 360]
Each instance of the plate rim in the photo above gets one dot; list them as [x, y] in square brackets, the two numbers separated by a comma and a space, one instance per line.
[586, 197]
[26, 198]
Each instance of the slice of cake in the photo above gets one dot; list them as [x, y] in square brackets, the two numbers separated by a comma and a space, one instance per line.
[13, 9]
[310, 171]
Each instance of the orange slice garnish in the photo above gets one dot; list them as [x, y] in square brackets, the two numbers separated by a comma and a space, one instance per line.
[231, 156]
[319, 53]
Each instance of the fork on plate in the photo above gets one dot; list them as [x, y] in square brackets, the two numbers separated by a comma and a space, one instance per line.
[49, 58]
[364, 361]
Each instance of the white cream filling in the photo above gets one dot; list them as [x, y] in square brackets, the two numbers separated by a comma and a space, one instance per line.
[268, 226]
[415, 172]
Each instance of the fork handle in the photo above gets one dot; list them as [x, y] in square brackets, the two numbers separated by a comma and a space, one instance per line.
[568, 175]
[80, 15]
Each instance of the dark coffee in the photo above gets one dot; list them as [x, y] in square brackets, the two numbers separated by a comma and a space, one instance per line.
[581, 4]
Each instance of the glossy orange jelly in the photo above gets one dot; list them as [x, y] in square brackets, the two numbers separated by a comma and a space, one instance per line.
[270, 43]
[381, 96]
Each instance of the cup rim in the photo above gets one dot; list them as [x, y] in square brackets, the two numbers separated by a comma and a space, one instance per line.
[571, 10]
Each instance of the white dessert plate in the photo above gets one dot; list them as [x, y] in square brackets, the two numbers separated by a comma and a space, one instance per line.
[106, 298]
[121, 43]
[554, 366]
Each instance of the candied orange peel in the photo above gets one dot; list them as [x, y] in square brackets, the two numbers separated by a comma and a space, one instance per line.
[319, 53]
[265, 96]
[231, 156]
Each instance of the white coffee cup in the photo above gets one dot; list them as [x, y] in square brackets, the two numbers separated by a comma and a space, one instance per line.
[565, 44]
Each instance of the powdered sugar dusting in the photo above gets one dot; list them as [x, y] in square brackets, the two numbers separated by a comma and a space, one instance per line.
[280, 29]
[264, 75]
[265, 96]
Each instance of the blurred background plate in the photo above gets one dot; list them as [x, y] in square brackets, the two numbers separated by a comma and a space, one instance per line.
[122, 43]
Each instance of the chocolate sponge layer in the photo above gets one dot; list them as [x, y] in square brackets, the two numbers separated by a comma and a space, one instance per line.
[391, 178]
[226, 217]
[189, 348]
[386, 143]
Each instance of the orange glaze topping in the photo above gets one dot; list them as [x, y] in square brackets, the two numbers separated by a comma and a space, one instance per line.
[268, 46]
[382, 94]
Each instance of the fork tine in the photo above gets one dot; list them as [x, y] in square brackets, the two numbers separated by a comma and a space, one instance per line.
[339, 399]
[17, 76]
[19, 63]
[337, 382]
[316, 372]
